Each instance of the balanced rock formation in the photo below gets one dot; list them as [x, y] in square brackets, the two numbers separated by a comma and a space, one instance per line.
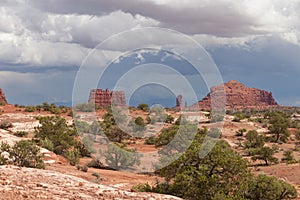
[105, 98]
[237, 96]
[179, 101]
[2, 97]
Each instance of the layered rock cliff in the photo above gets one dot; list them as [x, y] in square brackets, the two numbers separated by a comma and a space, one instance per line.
[237, 96]
[105, 98]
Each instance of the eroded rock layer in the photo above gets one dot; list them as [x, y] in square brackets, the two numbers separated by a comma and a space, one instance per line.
[105, 98]
[237, 96]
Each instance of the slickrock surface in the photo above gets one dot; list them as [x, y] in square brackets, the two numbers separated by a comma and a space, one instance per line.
[27, 183]
[238, 96]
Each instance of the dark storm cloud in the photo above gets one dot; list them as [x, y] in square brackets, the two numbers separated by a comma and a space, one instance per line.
[269, 63]
[215, 17]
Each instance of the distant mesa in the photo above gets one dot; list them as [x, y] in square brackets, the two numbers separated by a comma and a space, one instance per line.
[106, 98]
[2, 97]
[238, 96]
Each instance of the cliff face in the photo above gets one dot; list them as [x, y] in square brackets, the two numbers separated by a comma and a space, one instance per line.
[238, 96]
[105, 98]
[2, 97]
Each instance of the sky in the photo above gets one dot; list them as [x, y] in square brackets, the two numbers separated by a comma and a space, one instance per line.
[45, 44]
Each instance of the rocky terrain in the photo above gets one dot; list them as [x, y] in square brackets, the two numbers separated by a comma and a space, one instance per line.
[60, 180]
[238, 96]
[2, 97]
[28, 183]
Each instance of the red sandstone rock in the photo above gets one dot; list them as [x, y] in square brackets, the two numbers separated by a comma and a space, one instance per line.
[2, 97]
[238, 96]
[179, 101]
[105, 98]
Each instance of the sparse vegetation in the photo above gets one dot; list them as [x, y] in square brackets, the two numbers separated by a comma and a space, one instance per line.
[279, 124]
[288, 157]
[144, 107]
[264, 153]
[118, 157]
[5, 125]
[85, 107]
[21, 133]
[23, 153]
[222, 174]
[54, 134]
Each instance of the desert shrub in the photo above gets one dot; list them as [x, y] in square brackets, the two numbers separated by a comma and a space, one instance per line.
[95, 163]
[143, 107]
[264, 153]
[279, 126]
[85, 107]
[216, 118]
[73, 156]
[254, 140]
[29, 109]
[5, 125]
[118, 157]
[240, 132]
[270, 188]
[97, 175]
[23, 153]
[52, 108]
[47, 144]
[169, 119]
[55, 130]
[84, 168]
[166, 135]
[181, 120]
[288, 157]
[238, 117]
[110, 127]
[138, 127]
[151, 140]
[27, 154]
[221, 174]
[214, 132]
[21, 133]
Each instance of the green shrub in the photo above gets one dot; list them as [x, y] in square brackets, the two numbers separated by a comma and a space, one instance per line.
[95, 163]
[221, 174]
[150, 141]
[143, 107]
[85, 107]
[5, 125]
[96, 175]
[84, 168]
[72, 156]
[21, 133]
[29, 109]
[118, 157]
[269, 188]
[55, 135]
[265, 154]
[288, 157]
[23, 153]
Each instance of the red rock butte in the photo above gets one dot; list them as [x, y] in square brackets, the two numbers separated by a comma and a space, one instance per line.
[238, 96]
[105, 98]
[2, 97]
